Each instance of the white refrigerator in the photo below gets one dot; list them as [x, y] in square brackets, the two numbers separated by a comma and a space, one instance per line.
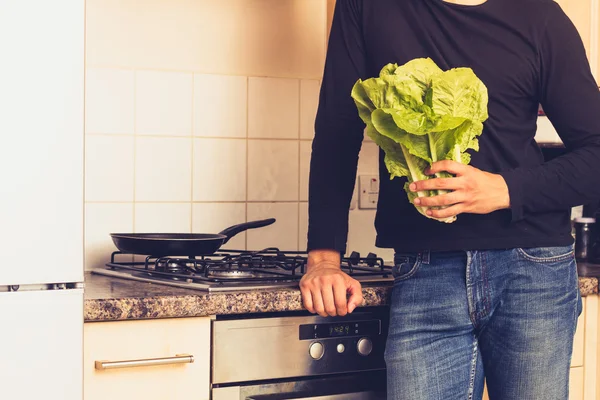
[41, 199]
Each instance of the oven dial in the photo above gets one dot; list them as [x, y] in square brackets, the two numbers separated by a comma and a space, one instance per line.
[364, 346]
[341, 348]
[316, 350]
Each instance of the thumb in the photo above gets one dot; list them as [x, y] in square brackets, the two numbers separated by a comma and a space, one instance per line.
[356, 297]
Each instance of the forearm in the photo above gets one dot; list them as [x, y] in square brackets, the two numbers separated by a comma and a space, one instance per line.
[560, 184]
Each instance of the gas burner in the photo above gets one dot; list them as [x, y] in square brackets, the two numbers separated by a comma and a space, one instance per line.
[232, 274]
[174, 267]
[239, 269]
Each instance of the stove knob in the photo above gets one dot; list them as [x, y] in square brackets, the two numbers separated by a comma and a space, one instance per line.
[341, 348]
[316, 350]
[364, 346]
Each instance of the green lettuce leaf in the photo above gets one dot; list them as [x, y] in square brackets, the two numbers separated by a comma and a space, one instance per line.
[459, 93]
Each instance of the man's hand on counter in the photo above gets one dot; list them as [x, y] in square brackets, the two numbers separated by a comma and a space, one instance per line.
[325, 286]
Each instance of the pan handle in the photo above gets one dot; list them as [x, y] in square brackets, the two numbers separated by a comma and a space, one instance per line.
[234, 230]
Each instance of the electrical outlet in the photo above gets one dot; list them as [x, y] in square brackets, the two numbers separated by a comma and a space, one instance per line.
[368, 187]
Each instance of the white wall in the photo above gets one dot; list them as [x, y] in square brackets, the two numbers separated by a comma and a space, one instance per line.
[199, 115]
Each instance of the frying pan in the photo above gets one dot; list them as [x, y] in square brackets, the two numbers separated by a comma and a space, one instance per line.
[180, 244]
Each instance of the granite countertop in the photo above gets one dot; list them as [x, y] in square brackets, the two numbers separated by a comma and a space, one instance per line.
[112, 299]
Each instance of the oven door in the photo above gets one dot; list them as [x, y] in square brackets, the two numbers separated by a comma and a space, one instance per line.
[367, 385]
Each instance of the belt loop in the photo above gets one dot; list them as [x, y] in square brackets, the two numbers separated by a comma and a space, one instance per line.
[426, 257]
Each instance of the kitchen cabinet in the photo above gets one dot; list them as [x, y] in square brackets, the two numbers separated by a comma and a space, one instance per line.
[584, 370]
[107, 343]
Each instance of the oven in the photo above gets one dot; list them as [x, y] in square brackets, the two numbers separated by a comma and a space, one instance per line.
[300, 356]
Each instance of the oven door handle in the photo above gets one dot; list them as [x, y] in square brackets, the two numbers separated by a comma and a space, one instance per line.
[343, 396]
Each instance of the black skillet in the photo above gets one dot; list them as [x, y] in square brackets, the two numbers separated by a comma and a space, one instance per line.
[180, 244]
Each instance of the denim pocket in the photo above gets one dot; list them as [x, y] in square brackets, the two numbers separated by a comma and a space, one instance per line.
[548, 254]
[405, 266]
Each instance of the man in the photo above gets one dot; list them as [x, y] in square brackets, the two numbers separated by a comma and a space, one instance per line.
[497, 290]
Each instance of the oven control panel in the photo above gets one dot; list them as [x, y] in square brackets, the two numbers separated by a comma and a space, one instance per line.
[339, 339]
[336, 329]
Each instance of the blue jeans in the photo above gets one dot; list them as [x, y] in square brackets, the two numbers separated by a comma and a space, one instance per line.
[506, 316]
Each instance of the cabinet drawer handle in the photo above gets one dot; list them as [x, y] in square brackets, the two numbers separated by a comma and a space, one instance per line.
[178, 359]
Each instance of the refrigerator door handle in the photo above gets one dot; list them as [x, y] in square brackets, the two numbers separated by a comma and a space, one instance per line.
[178, 359]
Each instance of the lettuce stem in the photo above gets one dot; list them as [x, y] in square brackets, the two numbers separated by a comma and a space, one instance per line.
[434, 158]
[413, 172]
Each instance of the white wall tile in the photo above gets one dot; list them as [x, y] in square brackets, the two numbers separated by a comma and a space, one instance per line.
[163, 217]
[101, 219]
[109, 98]
[368, 159]
[163, 169]
[214, 217]
[305, 154]
[272, 170]
[303, 228]
[220, 106]
[283, 234]
[109, 168]
[273, 108]
[362, 235]
[309, 102]
[163, 103]
[219, 170]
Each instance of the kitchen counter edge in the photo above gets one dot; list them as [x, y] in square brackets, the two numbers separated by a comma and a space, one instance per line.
[117, 300]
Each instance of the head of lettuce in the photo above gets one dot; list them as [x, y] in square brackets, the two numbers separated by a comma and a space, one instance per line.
[419, 114]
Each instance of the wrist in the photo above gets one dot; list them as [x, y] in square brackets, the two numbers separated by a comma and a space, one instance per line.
[324, 259]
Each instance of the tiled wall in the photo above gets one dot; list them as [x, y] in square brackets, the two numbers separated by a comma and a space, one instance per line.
[199, 115]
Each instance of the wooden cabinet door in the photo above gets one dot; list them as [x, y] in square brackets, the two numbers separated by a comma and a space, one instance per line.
[145, 341]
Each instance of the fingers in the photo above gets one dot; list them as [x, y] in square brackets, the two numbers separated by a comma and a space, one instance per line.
[356, 297]
[339, 297]
[452, 167]
[318, 303]
[447, 212]
[326, 294]
[328, 302]
[307, 299]
[437, 184]
[441, 200]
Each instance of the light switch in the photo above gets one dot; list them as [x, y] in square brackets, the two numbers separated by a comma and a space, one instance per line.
[368, 191]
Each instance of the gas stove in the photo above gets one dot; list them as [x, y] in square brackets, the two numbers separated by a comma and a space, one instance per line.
[236, 270]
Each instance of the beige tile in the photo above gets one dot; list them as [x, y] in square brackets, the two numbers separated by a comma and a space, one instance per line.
[234, 37]
[163, 103]
[163, 169]
[219, 170]
[309, 102]
[273, 108]
[102, 219]
[285, 38]
[305, 154]
[272, 170]
[214, 217]
[220, 106]
[109, 168]
[163, 217]
[368, 159]
[362, 235]
[303, 227]
[109, 101]
[283, 234]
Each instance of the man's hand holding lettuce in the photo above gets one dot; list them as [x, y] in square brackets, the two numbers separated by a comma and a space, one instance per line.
[420, 115]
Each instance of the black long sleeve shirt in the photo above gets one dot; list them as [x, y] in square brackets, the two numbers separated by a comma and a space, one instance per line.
[527, 52]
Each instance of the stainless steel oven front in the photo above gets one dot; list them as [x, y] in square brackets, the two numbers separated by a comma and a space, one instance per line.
[300, 356]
